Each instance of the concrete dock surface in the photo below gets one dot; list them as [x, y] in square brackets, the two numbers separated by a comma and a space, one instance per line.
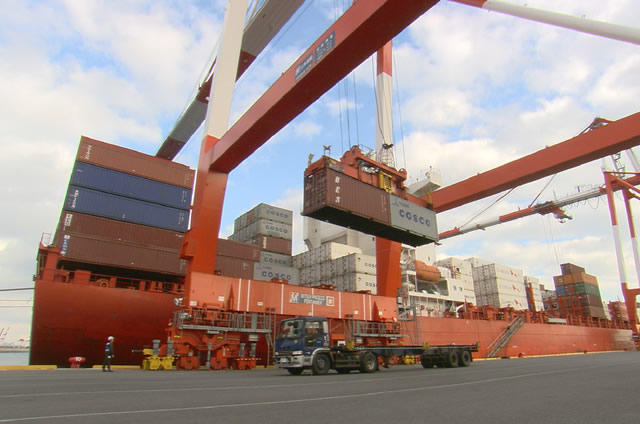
[592, 388]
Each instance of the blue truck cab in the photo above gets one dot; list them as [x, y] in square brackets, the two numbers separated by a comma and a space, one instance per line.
[299, 340]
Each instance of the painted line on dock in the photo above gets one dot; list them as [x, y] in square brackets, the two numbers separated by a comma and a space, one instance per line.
[292, 401]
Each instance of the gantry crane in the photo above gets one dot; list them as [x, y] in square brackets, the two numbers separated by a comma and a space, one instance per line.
[363, 29]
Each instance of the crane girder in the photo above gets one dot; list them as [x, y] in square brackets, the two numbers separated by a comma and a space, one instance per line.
[618, 135]
[364, 28]
[261, 29]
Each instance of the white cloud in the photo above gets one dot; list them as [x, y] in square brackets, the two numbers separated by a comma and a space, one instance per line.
[307, 128]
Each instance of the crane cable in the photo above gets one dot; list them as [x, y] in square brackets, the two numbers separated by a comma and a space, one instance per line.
[487, 207]
[541, 191]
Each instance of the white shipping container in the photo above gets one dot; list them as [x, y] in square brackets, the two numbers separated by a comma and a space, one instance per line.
[324, 253]
[503, 301]
[266, 272]
[414, 218]
[266, 228]
[263, 211]
[317, 272]
[355, 282]
[355, 263]
[476, 262]
[499, 284]
[275, 258]
[504, 272]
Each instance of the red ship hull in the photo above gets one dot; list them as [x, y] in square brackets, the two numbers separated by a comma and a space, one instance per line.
[75, 320]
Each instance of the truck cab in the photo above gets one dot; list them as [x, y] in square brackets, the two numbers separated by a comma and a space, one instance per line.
[299, 340]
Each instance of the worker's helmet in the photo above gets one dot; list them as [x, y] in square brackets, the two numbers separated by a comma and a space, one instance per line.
[111, 338]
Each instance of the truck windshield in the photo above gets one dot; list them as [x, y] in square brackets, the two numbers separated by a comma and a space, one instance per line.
[290, 329]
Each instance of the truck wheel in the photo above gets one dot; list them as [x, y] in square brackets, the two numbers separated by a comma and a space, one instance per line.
[426, 362]
[465, 358]
[452, 359]
[368, 362]
[295, 371]
[321, 364]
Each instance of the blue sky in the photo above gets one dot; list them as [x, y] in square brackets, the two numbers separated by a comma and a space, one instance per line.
[473, 90]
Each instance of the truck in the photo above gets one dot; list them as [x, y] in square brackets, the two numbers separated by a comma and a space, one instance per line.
[322, 344]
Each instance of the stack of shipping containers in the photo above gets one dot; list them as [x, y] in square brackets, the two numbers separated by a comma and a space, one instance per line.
[532, 284]
[618, 311]
[578, 293]
[269, 229]
[338, 265]
[499, 286]
[124, 214]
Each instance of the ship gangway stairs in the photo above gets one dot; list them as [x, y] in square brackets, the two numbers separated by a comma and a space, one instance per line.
[501, 341]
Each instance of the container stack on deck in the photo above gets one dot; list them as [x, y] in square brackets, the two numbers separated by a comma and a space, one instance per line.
[269, 229]
[618, 311]
[499, 286]
[338, 265]
[578, 293]
[124, 213]
[536, 292]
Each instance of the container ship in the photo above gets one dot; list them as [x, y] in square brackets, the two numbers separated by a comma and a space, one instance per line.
[115, 265]
[113, 268]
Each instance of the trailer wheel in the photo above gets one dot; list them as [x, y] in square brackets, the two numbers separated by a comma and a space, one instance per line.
[295, 371]
[452, 359]
[368, 362]
[321, 364]
[426, 362]
[465, 358]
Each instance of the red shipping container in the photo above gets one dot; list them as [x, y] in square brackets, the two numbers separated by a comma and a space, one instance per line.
[85, 249]
[332, 196]
[570, 268]
[110, 229]
[235, 249]
[234, 267]
[272, 244]
[132, 162]
[590, 300]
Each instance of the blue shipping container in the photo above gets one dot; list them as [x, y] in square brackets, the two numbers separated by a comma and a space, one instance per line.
[128, 185]
[98, 203]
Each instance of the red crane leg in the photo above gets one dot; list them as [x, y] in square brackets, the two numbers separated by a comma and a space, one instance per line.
[388, 259]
